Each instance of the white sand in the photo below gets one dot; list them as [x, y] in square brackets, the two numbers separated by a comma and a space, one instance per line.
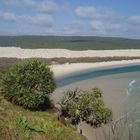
[66, 69]
[51, 53]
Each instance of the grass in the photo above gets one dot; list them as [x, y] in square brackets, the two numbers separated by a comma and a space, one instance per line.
[70, 42]
[20, 124]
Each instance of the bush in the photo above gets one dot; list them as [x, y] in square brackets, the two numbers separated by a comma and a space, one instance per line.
[87, 106]
[28, 84]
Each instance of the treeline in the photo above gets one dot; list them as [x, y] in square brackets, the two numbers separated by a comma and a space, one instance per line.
[70, 42]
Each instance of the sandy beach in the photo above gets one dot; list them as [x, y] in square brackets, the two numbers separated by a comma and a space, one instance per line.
[61, 70]
[15, 52]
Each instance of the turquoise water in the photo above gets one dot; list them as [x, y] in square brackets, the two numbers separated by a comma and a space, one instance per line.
[95, 73]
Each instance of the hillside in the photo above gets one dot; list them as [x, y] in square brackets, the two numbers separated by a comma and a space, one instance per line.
[70, 42]
[17, 123]
[20, 124]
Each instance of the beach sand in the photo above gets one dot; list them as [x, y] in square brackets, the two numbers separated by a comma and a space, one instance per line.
[61, 70]
[16, 52]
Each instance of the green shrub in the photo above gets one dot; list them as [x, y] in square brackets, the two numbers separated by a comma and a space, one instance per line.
[29, 84]
[87, 106]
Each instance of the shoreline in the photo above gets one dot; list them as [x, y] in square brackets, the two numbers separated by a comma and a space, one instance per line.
[62, 70]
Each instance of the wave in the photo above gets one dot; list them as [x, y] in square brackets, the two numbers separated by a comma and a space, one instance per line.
[132, 82]
[134, 87]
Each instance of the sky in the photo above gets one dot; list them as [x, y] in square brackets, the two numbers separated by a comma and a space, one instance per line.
[107, 18]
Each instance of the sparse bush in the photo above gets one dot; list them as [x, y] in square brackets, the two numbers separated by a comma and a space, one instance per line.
[29, 84]
[87, 106]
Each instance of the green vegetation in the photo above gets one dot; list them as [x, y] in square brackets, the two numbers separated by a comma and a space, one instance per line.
[87, 106]
[6, 63]
[29, 84]
[17, 123]
[71, 42]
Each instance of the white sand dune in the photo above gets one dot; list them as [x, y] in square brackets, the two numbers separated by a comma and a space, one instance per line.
[16, 52]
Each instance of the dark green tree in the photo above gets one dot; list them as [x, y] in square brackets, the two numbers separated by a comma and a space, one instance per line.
[87, 106]
[29, 84]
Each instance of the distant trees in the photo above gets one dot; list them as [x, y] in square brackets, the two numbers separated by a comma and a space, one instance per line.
[87, 106]
[29, 84]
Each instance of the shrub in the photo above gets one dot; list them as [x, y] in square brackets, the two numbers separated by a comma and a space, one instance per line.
[87, 106]
[29, 84]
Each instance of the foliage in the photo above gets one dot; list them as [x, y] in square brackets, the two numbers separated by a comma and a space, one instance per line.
[85, 106]
[28, 84]
[17, 123]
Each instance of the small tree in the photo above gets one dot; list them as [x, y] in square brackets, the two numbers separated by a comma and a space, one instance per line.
[28, 84]
[85, 106]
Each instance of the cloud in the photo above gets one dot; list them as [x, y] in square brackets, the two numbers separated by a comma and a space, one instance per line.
[105, 22]
[135, 20]
[105, 26]
[85, 12]
[41, 19]
[18, 4]
[72, 29]
[102, 21]
[6, 16]
[45, 20]
[47, 6]
[121, 28]
[90, 12]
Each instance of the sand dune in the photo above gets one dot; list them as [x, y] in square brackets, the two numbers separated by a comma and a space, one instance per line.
[12, 52]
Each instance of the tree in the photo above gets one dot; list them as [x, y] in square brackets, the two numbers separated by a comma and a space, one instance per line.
[87, 106]
[29, 84]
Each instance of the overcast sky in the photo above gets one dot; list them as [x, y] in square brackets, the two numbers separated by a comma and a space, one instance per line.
[114, 18]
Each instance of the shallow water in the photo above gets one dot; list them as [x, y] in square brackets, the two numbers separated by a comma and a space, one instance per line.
[66, 80]
[121, 87]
